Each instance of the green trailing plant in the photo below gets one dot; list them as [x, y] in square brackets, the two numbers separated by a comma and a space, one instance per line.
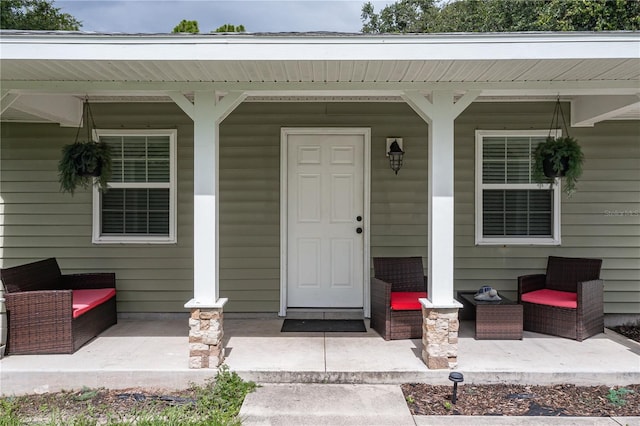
[85, 163]
[566, 159]
[559, 156]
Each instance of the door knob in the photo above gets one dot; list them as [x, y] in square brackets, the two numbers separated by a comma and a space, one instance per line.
[359, 218]
[359, 230]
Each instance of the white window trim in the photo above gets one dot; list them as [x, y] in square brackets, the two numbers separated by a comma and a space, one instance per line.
[555, 239]
[136, 239]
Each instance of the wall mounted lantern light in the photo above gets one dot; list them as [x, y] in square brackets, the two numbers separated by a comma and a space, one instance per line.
[395, 153]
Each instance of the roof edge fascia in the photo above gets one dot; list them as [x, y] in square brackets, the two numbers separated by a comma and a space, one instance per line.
[326, 46]
[307, 37]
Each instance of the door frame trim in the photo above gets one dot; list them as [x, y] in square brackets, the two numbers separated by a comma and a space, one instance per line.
[365, 132]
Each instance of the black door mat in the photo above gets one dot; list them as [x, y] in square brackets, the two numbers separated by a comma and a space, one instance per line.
[318, 325]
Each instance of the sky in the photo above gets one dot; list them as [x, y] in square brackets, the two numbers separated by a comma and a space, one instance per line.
[161, 16]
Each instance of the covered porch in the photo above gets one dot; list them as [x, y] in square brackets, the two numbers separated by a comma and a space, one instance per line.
[154, 354]
[214, 80]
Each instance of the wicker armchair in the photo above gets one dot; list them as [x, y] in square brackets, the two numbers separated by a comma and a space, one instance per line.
[397, 274]
[567, 301]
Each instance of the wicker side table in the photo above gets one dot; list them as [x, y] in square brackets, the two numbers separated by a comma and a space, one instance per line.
[501, 320]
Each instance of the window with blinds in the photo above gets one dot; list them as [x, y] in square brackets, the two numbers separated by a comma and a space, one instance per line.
[510, 207]
[140, 203]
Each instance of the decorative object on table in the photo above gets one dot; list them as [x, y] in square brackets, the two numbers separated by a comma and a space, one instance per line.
[85, 162]
[487, 294]
[558, 156]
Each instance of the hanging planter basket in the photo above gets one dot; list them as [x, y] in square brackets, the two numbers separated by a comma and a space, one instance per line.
[85, 162]
[94, 172]
[558, 157]
[548, 169]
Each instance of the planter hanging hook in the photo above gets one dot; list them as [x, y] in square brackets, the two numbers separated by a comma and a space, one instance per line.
[555, 119]
[87, 121]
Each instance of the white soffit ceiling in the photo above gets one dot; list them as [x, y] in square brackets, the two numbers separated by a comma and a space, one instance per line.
[507, 71]
[322, 66]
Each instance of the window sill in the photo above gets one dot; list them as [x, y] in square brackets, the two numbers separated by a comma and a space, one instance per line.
[523, 242]
[135, 240]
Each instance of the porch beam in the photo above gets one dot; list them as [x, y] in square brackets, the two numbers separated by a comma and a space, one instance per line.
[208, 112]
[64, 109]
[498, 88]
[440, 112]
[588, 110]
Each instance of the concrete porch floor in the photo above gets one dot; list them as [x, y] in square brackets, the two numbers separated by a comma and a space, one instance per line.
[154, 354]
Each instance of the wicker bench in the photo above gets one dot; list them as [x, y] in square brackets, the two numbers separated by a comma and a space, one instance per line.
[42, 315]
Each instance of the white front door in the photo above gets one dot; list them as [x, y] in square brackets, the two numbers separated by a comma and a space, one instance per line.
[325, 220]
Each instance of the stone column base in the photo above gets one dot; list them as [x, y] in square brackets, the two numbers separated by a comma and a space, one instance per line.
[440, 337]
[205, 338]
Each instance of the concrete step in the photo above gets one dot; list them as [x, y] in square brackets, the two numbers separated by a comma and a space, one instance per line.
[315, 404]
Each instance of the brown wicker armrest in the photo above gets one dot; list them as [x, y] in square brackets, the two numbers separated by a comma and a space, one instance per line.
[40, 321]
[527, 283]
[51, 303]
[380, 292]
[590, 309]
[380, 306]
[89, 281]
[590, 293]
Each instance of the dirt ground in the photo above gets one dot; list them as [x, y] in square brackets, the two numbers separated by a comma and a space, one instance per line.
[422, 399]
[519, 400]
[632, 331]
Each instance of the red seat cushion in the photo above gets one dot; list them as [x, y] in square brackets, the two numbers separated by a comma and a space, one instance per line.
[561, 299]
[406, 300]
[85, 300]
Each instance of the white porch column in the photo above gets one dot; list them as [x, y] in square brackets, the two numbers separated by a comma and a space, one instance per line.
[440, 310]
[206, 330]
[205, 201]
[440, 114]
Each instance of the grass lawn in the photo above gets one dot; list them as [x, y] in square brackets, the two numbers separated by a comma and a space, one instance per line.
[216, 403]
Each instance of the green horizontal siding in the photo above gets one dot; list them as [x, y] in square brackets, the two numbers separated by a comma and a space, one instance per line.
[250, 190]
[37, 221]
[590, 226]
